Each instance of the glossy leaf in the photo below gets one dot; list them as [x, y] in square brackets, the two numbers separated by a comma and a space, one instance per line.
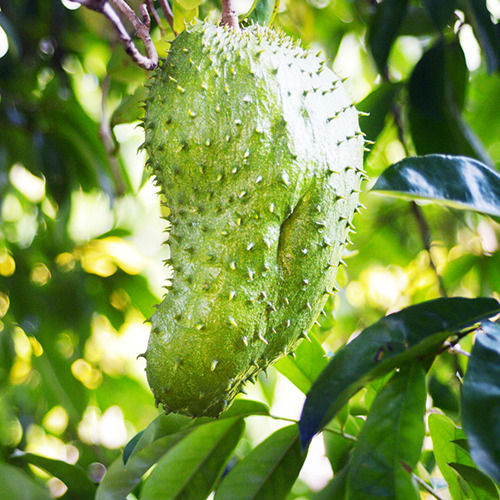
[455, 181]
[304, 369]
[383, 30]
[414, 332]
[440, 11]
[481, 400]
[437, 95]
[486, 32]
[377, 106]
[479, 485]
[268, 472]
[16, 484]
[73, 476]
[390, 441]
[263, 12]
[191, 468]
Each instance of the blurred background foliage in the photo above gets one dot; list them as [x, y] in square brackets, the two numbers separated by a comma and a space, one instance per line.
[81, 254]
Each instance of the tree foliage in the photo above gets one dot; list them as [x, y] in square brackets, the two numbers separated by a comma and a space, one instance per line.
[400, 379]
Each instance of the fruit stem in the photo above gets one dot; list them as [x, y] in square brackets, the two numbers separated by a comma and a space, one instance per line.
[229, 16]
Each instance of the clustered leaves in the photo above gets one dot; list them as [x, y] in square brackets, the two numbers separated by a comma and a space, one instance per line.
[406, 399]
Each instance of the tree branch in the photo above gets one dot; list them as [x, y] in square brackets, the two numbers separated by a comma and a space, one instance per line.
[229, 16]
[142, 28]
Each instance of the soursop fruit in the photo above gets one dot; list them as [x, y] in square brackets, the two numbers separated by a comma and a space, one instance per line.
[256, 147]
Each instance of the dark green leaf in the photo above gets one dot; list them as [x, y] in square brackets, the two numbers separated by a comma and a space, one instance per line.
[129, 448]
[190, 469]
[377, 105]
[73, 476]
[481, 400]
[414, 332]
[268, 472]
[456, 181]
[263, 12]
[437, 95]
[304, 369]
[16, 484]
[390, 441]
[441, 11]
[485, 31]
[383, 30]
[480, 485]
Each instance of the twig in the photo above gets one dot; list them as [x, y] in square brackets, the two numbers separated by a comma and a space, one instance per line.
[426, 487]
[153, 11]
[419, 216]
[426, 238]
[108, 139]
[142, 27]
[229, 16]
[167, 12]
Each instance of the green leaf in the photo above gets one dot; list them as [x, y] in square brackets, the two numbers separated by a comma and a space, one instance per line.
[310, 360]
[129, 110]
[377, 105]
[390, 441]
[263, 12]
[16, 484]
[155, 441]
[337, 446]
[383, 30]
[268, 472]
[481, 400]
[191, 468]
[485, 31]
[414, 332]
[120, 479]
[441, 11]
[335, 489]
[72, 475]
[444, 433]
[165, 425]
[437, 95]
[481, 487]
[455, 181]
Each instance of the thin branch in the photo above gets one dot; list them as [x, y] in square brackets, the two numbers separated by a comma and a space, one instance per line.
[426, 238]
[229, 16]
[419, 216]
[108, 139]
[426, 487]
[154, 13]
[148, 62]
[167, 12]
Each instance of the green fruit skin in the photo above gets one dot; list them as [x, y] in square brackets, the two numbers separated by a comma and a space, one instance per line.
[257, 149]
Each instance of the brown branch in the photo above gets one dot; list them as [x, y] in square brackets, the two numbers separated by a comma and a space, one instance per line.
[154, 13]
[167, 12]
[142, 28]
[229, 16]
[423, 226]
